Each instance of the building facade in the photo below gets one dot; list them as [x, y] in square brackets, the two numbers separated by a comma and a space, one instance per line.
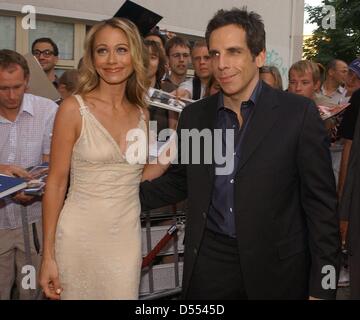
[67, 22]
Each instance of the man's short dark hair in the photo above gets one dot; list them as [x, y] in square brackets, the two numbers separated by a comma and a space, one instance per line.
[158, 34]
[49, 41]
[332, 64]
[176, 41]
[250, 22]
[9, 58]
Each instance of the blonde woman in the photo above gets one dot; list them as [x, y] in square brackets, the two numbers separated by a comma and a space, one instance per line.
[92, 241]
[271, 75]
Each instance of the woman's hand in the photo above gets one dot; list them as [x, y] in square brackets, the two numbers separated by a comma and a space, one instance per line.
[49, 279]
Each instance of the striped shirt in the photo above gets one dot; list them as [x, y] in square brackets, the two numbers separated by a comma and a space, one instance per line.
[23, 143]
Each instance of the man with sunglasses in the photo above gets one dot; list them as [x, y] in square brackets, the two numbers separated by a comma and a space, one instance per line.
[46, 52]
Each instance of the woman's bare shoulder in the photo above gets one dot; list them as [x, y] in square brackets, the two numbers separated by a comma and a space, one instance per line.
[70, 104]
[69, 111]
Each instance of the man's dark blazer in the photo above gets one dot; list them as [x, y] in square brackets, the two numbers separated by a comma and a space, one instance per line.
[285, 198]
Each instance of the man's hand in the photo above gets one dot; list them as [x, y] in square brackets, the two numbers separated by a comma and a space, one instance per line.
[14, 171]
[22, 198]
[182, 93]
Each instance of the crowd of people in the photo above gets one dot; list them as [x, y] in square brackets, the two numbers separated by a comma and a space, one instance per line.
[264, 230]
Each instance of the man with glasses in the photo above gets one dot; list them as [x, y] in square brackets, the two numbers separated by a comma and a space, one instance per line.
[46, 52]
[178, 53]
[336, 72]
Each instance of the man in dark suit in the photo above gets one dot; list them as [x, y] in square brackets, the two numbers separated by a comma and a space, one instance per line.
[267, 229]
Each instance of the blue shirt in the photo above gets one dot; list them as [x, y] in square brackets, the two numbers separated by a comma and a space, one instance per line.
[221, 217]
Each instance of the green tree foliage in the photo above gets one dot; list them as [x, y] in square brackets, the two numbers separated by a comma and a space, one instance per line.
[342, 42]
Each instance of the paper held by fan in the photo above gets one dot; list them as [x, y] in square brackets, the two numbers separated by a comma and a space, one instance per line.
[328, 112]
[162, 99]
[37, 182]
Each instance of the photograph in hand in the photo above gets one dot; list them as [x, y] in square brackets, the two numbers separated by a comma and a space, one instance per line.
[162, 99]
[37, 182]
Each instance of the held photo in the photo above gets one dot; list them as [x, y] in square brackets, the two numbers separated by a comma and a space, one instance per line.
[167, 101]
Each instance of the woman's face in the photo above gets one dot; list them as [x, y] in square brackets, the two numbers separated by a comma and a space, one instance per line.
[153, 64]
[112, 58]
[268, 78]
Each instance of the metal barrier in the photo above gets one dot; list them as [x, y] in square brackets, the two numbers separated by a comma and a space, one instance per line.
[162, 243]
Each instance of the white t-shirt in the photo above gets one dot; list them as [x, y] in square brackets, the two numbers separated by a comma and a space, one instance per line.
[188, 86]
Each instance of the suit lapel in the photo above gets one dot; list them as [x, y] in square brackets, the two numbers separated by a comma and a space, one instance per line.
[263, 119]
[208, 121]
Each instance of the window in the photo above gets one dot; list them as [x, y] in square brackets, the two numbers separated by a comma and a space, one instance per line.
[61, 33]
[68, 34]
[7, 32]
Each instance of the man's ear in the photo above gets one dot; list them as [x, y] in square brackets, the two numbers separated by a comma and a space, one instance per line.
[261, 59]
[331, 72]
[317, 85]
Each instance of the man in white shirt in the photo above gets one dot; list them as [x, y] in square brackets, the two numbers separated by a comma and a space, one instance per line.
[196, 87]
[26, 123]
[336, 72]
[178, 54]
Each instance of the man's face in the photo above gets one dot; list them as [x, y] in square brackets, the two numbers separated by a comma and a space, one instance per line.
[340, 72]
[233, 65]
[303, 83]
[12, 87]
[179, 58]
[44, 53]
[201, 62]
[352, 82]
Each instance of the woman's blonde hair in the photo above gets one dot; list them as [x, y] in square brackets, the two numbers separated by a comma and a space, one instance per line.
[138, 83]
[274, 71]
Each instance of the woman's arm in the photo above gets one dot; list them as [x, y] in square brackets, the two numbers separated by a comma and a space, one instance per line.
[159, 165]
[67, 128]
